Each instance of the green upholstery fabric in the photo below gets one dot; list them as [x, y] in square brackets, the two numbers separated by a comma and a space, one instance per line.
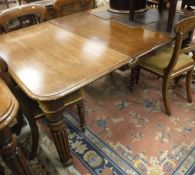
[158, 62]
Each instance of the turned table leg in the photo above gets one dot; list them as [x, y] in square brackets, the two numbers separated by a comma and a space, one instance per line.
[11, 154]
[54, 113]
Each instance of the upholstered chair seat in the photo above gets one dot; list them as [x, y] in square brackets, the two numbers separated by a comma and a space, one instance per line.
[159, 62]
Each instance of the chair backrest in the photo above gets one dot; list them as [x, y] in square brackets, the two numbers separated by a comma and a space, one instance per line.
[59, 4]
[182, 28]
[5, 4]
[152, 3]
[187, 3]
[33, 12]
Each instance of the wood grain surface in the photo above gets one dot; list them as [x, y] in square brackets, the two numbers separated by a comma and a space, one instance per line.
[49, 62]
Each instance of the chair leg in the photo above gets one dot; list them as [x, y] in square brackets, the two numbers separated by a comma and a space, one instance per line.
[177, 79]
[33, 127]
[11, 154]
[34, 134]
[81, 113]
[34, 130]
[20, 123]
[188, 86]
[138, 70]
[165, 88]
[2, 170]
[134, 77]
[182, 5]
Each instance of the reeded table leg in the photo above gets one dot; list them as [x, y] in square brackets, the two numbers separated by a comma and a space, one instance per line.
[11, 154]
[54, 113]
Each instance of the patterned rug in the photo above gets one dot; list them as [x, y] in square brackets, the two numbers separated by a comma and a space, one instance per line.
[131, 134]
[127, 133]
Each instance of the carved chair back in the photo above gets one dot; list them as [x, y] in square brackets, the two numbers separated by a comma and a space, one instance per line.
[22, 16]
[181, 29]
[152, 3]
[59, 4]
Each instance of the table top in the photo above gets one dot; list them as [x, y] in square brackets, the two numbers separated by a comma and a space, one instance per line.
[49, 62]
[129, 40]
[53, 59]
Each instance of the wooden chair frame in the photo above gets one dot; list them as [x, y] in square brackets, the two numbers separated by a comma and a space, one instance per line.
[59, 4]
[187, 3]
[11, 154]
[20, 11]
[181, 28]
[4, 74]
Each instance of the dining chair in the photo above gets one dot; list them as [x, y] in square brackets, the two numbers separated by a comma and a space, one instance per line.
[23, 110]
[22, 16]
[152, 3]
[187, 3]
[170, 62]
[11, 154]
[60, 4]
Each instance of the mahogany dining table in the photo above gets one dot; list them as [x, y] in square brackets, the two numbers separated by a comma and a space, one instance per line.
[51, 60]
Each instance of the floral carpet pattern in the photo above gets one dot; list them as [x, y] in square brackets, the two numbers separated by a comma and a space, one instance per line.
[132, 131]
